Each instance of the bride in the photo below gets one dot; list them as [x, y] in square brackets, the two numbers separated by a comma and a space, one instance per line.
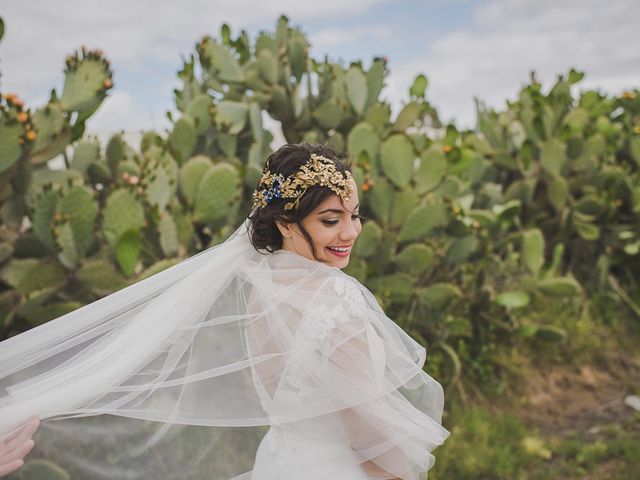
[256, 359]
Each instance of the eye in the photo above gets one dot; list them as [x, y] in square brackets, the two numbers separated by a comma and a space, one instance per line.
[355, 216]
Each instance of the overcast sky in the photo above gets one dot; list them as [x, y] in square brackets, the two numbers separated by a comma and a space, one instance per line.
[466, 48]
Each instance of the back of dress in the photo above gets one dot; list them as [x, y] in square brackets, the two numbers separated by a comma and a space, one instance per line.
[333, 374]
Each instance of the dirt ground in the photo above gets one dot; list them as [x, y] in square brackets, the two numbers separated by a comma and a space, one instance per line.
[562, 399]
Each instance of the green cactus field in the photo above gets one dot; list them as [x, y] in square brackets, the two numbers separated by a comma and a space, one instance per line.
[511, 251]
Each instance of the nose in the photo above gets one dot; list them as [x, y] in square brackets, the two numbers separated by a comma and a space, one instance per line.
[349, 232]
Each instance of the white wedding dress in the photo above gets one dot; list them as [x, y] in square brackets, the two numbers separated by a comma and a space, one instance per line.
[333, 326]
[231, 365]
[313, 448]
[317, 446]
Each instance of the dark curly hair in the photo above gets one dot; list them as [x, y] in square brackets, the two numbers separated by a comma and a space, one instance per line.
[263, 231]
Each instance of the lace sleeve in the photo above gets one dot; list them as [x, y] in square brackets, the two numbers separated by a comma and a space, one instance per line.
[372, 370]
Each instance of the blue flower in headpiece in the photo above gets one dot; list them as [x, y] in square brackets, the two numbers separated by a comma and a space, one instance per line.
[274, 191]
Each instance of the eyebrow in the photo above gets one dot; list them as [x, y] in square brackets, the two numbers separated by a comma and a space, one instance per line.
[335, 210]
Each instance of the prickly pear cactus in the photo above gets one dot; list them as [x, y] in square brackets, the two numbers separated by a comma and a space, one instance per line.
[74, 223]
[16, 131]
[462, 229]
[122, 212]
[87, 80]
[216, 192]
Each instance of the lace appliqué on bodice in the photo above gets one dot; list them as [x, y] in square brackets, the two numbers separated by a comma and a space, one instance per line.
[282, 445]
[319, 320]
[299, 382]
[352, 296]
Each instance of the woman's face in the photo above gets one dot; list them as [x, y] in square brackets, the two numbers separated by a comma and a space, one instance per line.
[333, 228]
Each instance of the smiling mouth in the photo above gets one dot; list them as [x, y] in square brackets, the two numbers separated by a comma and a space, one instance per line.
[340, 251]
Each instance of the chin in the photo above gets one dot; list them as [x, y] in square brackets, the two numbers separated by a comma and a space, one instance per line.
[342, 263]
[337, 264]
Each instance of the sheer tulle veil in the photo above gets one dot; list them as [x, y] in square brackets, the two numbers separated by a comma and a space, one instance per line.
[182, 374]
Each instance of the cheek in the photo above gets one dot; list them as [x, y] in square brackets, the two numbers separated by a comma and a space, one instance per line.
[320, 235]
[327, 236]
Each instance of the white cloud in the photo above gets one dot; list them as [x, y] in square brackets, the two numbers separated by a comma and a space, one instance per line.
[119, 111]
[134, 35]
[492, 58]
[39, 34]
[325, 39]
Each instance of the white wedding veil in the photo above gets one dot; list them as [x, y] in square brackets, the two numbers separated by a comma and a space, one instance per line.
[183, 373]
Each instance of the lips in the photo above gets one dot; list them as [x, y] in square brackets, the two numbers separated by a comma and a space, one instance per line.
[340, 251]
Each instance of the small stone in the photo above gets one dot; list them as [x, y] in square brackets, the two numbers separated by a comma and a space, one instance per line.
[633, 401]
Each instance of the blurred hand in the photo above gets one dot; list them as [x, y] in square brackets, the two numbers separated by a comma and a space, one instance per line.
[14, 448]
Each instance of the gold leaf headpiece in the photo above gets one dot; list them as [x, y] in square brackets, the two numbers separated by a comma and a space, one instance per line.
[318, 170]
